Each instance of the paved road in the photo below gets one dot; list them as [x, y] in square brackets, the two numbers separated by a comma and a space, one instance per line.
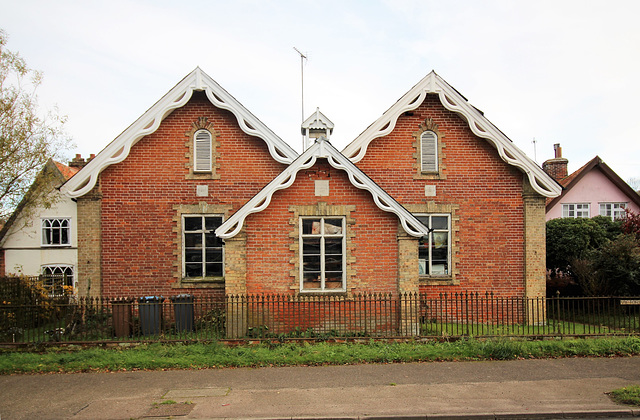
[524, 388]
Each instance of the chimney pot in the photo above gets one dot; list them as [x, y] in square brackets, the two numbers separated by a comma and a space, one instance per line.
[558, 150]
[556, 168]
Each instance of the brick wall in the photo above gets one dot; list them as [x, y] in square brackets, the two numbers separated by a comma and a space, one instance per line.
[490, 238]
[141, 195]
[371, 235]
[138, 252]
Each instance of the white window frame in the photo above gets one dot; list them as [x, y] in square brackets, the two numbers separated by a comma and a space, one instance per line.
[203, 231]
[48, 231]
[202, 151]
[432, 138]
[57, 270]
[614, 210]
[576, 210]
[322, 236]
[426, 265]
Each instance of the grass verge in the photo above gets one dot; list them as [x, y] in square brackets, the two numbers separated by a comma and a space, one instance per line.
[201, 356]
[628, 395]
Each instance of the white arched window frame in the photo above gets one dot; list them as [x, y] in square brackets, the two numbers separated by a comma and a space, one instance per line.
[55, 277]
[429, 151]
[202, 143]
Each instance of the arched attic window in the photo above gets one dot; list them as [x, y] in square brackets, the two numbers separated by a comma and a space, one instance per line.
[202, 151]
[429, 151]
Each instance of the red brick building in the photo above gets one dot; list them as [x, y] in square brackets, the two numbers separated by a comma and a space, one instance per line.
[198, 196]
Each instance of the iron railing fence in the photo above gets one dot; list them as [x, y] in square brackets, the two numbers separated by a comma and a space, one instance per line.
[30, 287]
[189, 318]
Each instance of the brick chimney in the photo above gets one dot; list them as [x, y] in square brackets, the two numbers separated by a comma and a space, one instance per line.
[79, 161]
[556, 168]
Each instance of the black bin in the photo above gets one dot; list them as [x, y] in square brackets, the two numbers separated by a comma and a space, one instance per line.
[150, 311]
[183, 310]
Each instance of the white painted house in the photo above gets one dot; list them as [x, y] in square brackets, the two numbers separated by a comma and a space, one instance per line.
[44, 241]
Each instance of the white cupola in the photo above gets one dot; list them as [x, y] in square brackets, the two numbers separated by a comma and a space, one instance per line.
[316, 126]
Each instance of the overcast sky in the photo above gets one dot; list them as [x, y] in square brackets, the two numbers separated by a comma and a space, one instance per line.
[558, 71]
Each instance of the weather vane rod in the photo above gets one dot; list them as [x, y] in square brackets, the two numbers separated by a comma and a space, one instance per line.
[302, 58]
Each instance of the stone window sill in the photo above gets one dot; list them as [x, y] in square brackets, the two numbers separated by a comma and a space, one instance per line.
[438, 280]
[204, 283]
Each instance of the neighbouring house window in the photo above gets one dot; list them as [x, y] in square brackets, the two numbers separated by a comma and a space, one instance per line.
[202, 151]
[322, 256]
[434, 251]
[56, 232]
[612, 210]
[57, 278]
[429, 151]
[203, 251]
[576, 210]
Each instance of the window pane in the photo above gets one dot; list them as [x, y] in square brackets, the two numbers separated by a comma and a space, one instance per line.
[440, 239]
[333, 226]
[311, 281]
[311, 246]
[333, 263]
[212, 223]
[55, 236]
[214, 269]
[192, 223]
[440, 222]
[311, 263]
[310, 226]
[193, 255]
[193, 270]
[214, 255]
[333, 245]
[333, 280]
[439, 255]
[64, 236]
[423, 252]
[193, 240]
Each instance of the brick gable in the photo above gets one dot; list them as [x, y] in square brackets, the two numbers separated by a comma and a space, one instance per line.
[487, 191]
[139, 196]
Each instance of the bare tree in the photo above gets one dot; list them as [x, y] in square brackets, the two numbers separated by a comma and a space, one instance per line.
[27, 139]
[634, 183]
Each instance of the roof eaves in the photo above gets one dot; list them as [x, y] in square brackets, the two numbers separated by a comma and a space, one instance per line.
[149, 122]
[321, 149]
[478, 123]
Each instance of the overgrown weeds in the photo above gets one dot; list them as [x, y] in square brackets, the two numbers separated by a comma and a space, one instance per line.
[628, 395]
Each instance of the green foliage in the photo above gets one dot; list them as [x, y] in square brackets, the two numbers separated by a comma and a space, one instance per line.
[25, 303]
[627, 395]
[613, 269]
[215, 355]
[617, 263]
[569, 239]
[603, 256]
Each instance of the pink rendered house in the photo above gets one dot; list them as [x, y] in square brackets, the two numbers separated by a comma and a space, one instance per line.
[593, 190]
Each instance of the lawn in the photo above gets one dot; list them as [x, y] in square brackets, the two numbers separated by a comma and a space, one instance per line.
[216, 355]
